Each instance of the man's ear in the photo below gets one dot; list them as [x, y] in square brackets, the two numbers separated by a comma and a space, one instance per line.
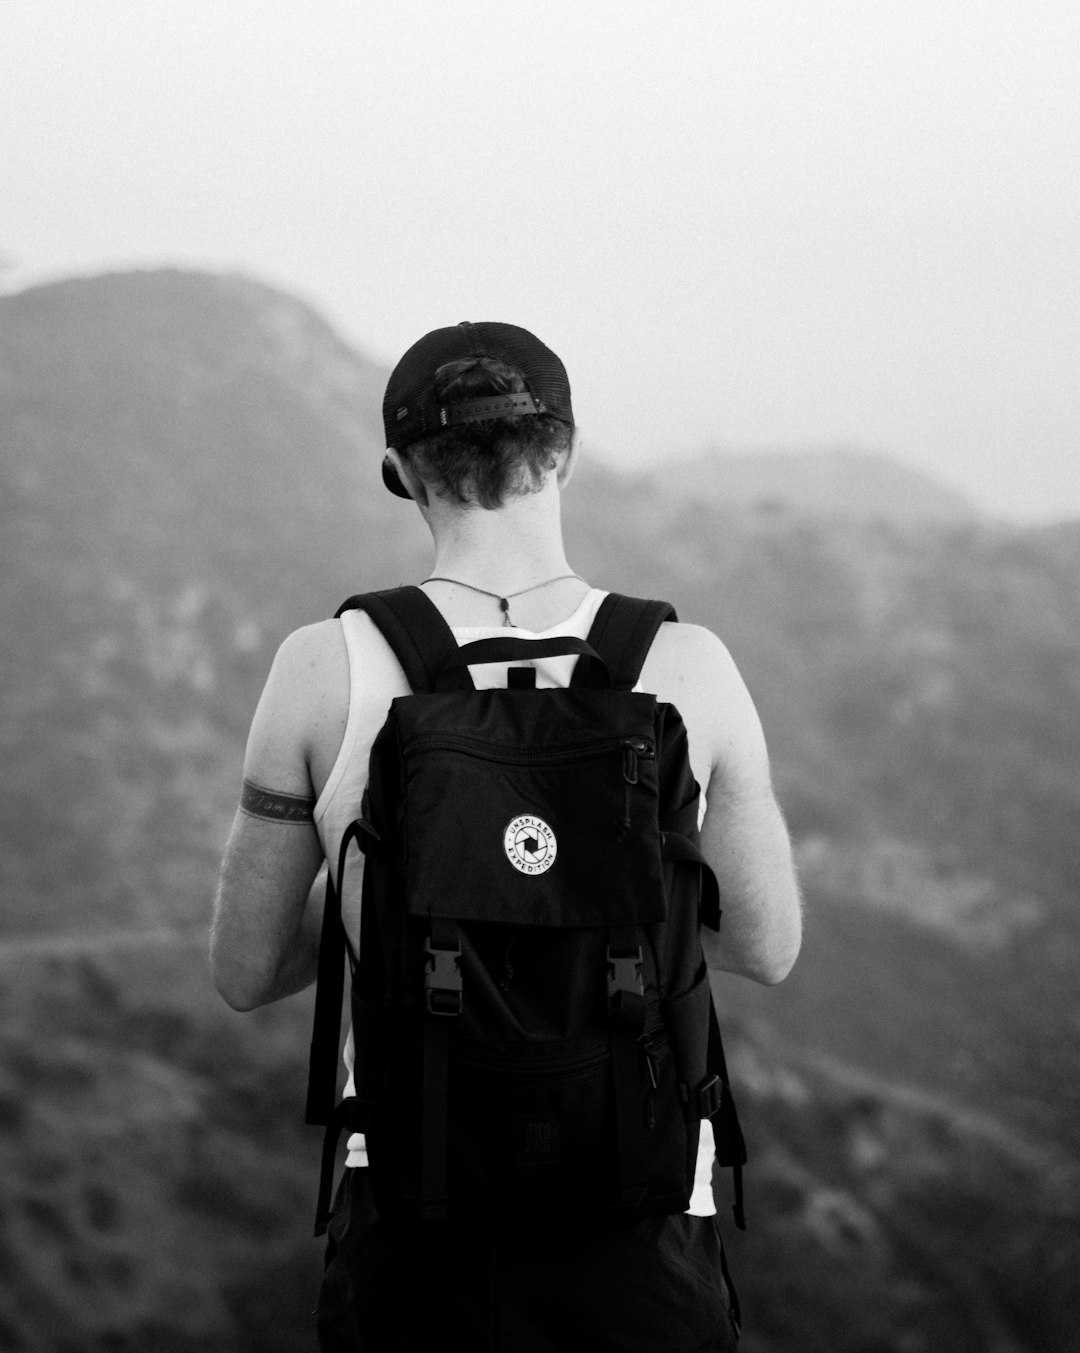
[409, 484]
[565, 468]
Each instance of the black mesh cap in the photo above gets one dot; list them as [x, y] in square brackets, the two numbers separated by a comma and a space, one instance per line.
[411, 411]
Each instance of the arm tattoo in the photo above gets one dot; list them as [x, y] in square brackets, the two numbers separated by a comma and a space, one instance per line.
[274, 806]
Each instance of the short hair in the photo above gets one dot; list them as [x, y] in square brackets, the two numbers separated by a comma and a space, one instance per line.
[485, 462]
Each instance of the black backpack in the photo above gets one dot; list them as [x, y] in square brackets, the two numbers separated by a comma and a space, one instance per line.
[533, 1024]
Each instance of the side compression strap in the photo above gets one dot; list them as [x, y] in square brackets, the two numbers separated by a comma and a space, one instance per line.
[727, 1134]
[326, 1025]
[324, 1061]
[348, 1116]
[330, 985]
[675, 845]
[329, 994]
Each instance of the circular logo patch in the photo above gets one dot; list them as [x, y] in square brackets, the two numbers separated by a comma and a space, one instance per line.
[530, 845]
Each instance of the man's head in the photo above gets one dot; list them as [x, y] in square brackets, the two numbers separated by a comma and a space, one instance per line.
[480, 411]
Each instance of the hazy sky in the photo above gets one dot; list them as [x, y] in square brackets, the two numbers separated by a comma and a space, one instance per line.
[739, 222]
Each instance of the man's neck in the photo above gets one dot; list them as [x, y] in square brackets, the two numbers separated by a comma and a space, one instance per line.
[516, 546]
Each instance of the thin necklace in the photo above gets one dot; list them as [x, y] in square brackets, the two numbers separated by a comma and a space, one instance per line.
[504, 601]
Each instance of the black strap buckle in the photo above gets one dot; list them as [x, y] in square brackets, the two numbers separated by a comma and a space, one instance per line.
[710, 1094]
[442, 979]
[626, 986]
[625, 974]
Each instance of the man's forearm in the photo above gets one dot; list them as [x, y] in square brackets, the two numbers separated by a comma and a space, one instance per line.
[300, 961]
[246, 987]
[761, 927]
[267, 917]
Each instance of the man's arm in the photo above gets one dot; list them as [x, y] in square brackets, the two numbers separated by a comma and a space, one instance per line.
[743, 836]
[267, 915]
[746, 842]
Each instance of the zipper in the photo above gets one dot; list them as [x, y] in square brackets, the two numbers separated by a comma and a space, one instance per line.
[632, 750]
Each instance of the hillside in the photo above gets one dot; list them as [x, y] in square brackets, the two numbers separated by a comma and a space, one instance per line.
[162, 526]
[832, 481]
[189, 470]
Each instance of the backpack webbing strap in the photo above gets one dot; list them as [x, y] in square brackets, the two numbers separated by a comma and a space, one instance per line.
[325, 1028]
[348, 1114]
[727, 1134]
[329, 990]
[676, 846]
[324, 1058]
[413, 626]
[626, 1024]
[622, 634]
[443, 996]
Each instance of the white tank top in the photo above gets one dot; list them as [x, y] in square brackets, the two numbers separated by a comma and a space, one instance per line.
[375, 678]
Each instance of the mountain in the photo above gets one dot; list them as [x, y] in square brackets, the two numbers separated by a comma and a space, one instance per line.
[836, 481]
[189, 470]
[182, 486]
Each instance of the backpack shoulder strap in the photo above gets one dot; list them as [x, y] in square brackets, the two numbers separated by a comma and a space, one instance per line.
[622, 634]
[413, 626]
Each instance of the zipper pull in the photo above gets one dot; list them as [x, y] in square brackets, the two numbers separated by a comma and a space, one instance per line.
[635, 750]
[652, 1062]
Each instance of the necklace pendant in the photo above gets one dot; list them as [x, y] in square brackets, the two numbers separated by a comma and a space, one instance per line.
[504, 602]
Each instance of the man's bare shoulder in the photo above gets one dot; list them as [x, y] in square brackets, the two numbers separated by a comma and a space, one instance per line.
[311, 646]
[305, 703]
[310, 669]
[690, 667]
[687, 658]
[316, 659]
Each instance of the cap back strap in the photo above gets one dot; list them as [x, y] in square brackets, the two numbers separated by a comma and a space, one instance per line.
[492, 406]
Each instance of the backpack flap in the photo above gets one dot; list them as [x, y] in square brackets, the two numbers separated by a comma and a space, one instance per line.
[530, 808]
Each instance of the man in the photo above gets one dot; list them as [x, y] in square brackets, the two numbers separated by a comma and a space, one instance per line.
[480, 436]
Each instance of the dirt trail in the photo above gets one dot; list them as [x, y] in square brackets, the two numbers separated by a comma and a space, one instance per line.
[74, 945]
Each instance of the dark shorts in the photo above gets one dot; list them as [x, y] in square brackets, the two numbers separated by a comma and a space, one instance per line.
[656, 1286]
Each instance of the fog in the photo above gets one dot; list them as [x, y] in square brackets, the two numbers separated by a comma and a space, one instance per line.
[741, 225]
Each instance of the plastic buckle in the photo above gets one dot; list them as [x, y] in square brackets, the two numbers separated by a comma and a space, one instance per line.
[624, 975]
[442, 980]
[710, 1094]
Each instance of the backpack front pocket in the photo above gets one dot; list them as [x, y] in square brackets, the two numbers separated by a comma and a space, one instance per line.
[559, 834]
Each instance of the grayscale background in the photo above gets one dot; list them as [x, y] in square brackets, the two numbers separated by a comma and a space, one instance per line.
[812, 268]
